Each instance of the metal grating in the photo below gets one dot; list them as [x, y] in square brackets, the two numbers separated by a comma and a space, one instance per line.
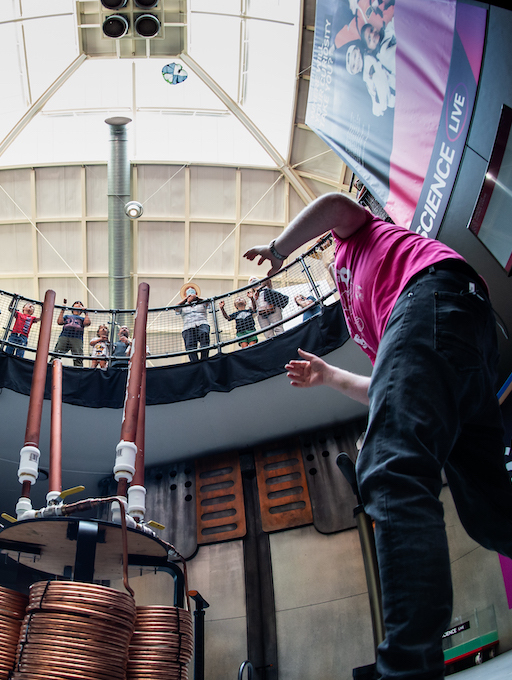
[282, 488]
[219, 499]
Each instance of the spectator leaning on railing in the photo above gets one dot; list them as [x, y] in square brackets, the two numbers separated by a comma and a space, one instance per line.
[72, 335]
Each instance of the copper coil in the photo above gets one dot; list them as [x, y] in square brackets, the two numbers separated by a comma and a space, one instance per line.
[69, 661]
[12, 610]
[75, 631]
[82, 596]
[162, 644]
[73, 626]
[168, 673]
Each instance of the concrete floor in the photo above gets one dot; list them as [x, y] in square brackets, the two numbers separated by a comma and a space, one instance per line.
[499, 668]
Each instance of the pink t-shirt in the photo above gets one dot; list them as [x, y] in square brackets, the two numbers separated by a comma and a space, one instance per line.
[372, 268]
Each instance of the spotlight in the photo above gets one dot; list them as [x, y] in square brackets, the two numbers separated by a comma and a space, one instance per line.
[133, 209]
[147, 25]
[114, 4]
[116, 26]
[146, 4]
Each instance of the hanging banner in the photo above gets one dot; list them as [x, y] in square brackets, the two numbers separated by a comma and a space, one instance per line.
[388, 78]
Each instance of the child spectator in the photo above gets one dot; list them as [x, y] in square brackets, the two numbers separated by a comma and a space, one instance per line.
[311, 306]
[21, 329]
[269, 303]
[244, 319]
[72, 335]
[121, 349]
[100, 348]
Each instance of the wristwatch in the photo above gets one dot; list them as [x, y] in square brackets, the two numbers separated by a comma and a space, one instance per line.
[274, 252]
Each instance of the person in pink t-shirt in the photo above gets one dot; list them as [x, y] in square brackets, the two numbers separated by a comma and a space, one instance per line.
[22, 325]
[423, 316]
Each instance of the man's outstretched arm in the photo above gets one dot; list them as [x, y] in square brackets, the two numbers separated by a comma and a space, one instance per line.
[330, 212]
[312, 371]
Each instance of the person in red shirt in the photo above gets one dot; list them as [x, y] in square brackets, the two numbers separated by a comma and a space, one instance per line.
[22, 325]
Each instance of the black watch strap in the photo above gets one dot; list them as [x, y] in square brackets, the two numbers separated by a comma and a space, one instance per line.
[274, 251]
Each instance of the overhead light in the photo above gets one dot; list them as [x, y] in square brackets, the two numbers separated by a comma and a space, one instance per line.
[147, 25]
[146, 4]
[116, 26]
[133, 209]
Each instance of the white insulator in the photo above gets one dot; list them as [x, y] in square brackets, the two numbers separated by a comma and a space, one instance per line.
[24, 507]
[137, 501]
[51, 496]
[29, 462]
[125, 461]
[116, 513]
[116, 510]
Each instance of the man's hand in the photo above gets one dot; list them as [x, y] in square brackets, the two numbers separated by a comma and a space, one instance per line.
[308, 373]
[313, 371]
[264, 254]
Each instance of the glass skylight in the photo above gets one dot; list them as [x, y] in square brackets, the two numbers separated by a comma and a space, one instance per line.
[248, 47]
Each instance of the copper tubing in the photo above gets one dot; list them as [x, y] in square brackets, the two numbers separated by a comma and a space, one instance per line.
[162, 644]
[75, 631]
[35, 406]
[55, 469]
[81, 506]
[137, 359]
[12, 611]
[138, 477]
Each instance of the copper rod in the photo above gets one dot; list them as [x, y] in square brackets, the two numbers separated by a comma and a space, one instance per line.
[55, 468]
[138, 477]
[25, 488]
[35, 406]
[122, 487]
[137, 359]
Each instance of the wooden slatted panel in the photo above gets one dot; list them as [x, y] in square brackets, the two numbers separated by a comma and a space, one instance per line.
[219, 499]
[282, 488]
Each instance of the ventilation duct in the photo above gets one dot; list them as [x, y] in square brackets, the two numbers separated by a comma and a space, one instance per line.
[119, 225]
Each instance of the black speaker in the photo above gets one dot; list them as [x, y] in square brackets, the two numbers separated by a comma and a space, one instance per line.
[147, 25]
[116, 26]
[146, 4]
[114, 4]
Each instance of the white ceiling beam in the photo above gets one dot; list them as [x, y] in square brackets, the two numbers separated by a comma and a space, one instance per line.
[40, 103]
[300, 187]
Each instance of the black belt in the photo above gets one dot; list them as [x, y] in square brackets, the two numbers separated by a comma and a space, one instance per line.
[451, 265]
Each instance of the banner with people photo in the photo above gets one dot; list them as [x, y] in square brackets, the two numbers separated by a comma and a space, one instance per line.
[393, 84]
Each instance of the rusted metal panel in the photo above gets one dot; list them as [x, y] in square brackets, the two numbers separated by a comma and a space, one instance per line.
[282, 487]
[219, 499]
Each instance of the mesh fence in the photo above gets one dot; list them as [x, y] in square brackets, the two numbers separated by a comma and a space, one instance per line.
[227, 323]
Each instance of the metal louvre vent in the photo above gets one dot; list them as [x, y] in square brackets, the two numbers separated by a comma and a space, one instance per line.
[282, 489]
[220, 501]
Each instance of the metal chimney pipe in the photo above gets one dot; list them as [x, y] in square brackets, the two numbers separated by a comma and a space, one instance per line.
[120, 248]
[55, 467]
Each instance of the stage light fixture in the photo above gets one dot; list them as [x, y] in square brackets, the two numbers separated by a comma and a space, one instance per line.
[116, 26]
[133, 209]
[146, 4]
[147, 25]
[114, 4]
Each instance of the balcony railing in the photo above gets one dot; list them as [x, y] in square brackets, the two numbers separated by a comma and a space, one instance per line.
[310, 275]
